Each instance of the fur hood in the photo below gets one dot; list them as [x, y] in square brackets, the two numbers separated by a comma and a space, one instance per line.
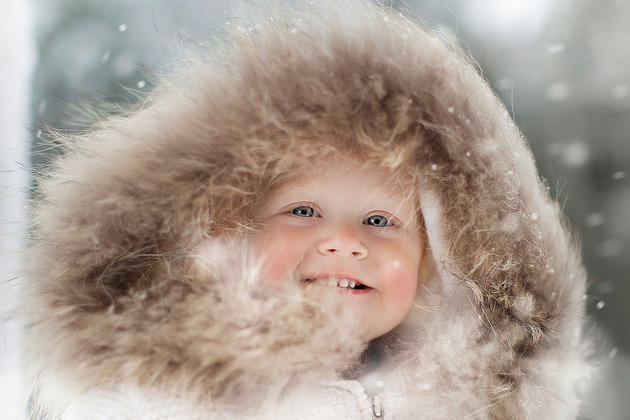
[135, 275]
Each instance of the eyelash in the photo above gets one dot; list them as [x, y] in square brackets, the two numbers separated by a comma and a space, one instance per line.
[314, 213]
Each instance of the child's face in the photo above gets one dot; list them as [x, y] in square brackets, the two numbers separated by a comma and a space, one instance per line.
[337, 226]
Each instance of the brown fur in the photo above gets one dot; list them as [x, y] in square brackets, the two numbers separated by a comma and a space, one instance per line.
[115, 291]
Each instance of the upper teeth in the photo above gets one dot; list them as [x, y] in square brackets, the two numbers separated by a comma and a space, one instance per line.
[340, 282]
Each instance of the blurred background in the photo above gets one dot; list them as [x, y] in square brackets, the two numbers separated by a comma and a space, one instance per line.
[561, 67]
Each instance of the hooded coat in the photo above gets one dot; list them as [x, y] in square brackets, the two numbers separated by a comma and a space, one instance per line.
[136, 301]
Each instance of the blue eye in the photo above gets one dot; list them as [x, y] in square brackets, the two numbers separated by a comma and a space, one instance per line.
[304, 211]
[377, 220]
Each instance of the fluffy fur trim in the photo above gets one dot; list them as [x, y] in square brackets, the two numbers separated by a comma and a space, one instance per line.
[134, 271]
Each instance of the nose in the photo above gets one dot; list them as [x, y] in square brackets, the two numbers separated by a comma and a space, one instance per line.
[343, 241]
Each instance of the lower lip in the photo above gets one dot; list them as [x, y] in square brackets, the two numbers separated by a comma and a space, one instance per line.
[354, 291]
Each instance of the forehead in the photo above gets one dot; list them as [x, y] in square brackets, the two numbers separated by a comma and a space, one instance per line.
[369, 185]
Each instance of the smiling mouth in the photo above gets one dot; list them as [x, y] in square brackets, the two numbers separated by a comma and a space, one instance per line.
[341, 282]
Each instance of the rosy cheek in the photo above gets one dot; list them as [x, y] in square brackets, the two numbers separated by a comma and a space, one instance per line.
[275, 266]
[401, 282]
[278, 254]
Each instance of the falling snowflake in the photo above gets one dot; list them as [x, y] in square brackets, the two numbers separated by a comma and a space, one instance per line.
[576, 153]
[594, 219]
[555, 48]
[619, 91]
[618, 175]
[613, 353]
[610, 248]
[42, 107]
[558, 91]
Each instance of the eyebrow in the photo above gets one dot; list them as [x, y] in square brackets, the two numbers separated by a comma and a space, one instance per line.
[399, 194]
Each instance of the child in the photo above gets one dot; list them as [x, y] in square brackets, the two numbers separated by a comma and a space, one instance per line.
[333, 218]
[349, 227]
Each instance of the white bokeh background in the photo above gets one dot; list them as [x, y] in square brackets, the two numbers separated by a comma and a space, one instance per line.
[17, 50]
